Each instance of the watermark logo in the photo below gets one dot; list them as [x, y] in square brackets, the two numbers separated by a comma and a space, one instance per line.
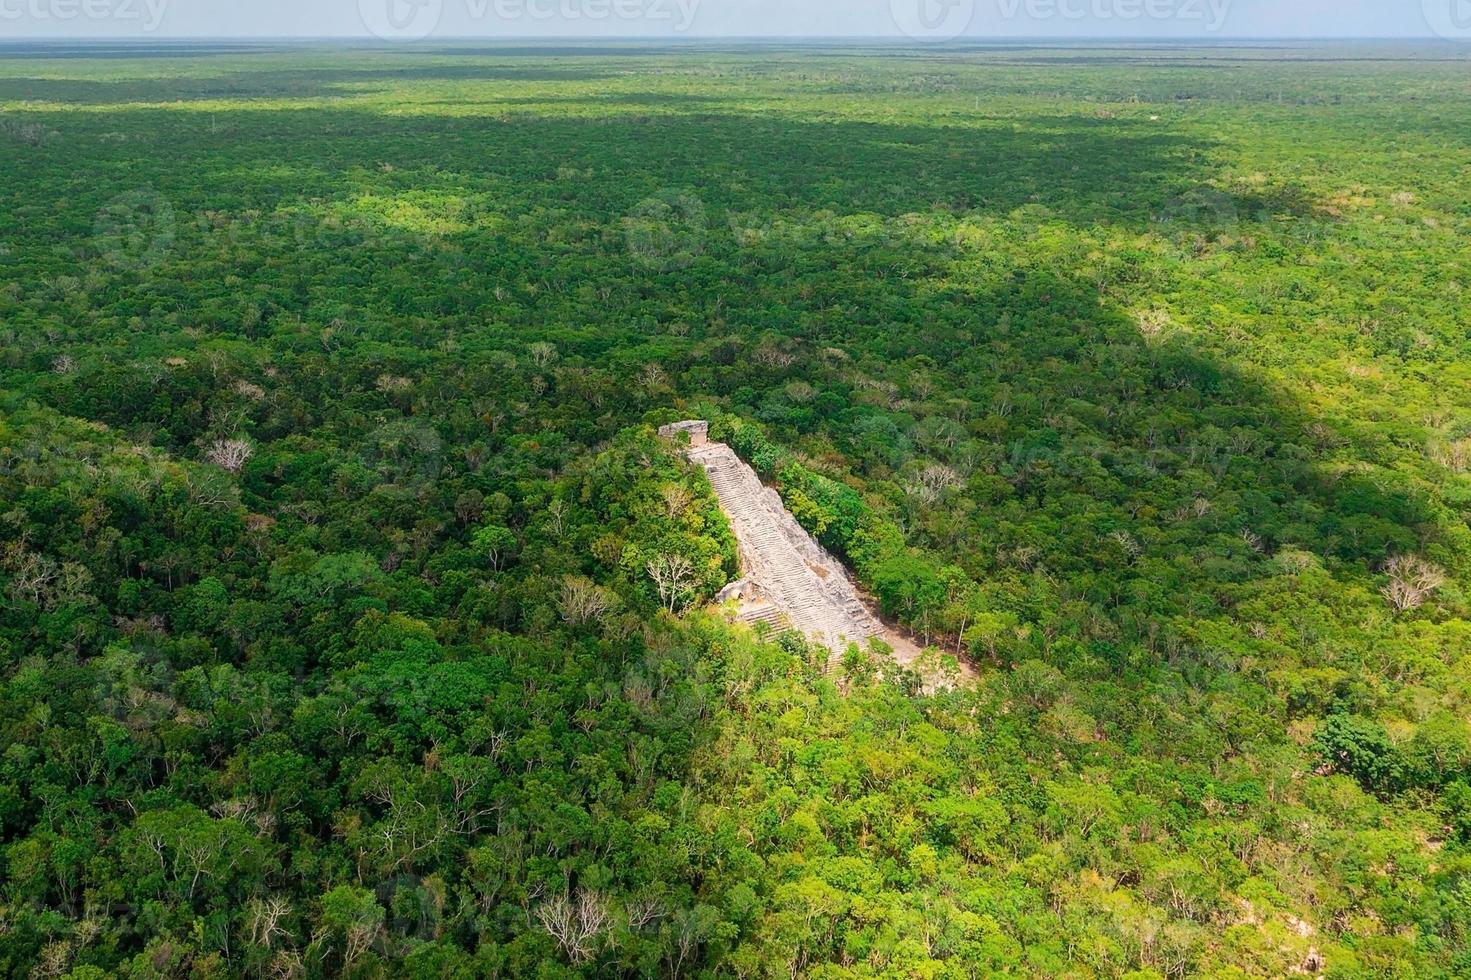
[29, 133]
[932, 20]
[144, 15]
[135, 231]
[1208, 16]
[404, 451]
[401, 20]
[414, 20]
[1450, 19]
[679, 15]
[667, 231]
[1200, 209]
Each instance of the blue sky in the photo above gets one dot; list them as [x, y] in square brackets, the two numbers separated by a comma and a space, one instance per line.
[923, 19]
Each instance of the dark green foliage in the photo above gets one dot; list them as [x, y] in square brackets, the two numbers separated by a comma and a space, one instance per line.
[1359, 748]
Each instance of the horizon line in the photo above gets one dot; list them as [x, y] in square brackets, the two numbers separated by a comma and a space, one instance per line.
[686, 38]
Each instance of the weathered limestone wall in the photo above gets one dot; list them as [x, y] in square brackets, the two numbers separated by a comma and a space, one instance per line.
[699, 431]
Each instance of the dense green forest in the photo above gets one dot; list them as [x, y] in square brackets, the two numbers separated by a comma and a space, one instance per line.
[1139, 379]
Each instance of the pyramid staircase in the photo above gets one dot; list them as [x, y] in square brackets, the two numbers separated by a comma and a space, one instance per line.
[805, 586]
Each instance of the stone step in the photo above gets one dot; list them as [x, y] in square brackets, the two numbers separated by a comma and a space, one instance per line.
[771, 615]
[781, 558]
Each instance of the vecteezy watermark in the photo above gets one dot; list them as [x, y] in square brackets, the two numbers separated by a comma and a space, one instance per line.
[1201, 210]
[145, 15]
[678, 14]
[138, 230]
[667, 231]
[1450, 19]
[134, 231]
[29, 133]
[932, 20]
[1209, 15]
[401, 20]
[414, 20]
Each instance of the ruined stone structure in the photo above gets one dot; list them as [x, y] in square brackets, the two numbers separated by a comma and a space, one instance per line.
[699, 432]
[789, 579]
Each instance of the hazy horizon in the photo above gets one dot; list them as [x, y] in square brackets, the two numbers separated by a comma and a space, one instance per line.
[923, 20]
[901, 40]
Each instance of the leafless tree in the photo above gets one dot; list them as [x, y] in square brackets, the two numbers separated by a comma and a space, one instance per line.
[1454, 456]
[210, 488]
[32, 575]
[360, 938]
[772, 356]
[582, 601]
[1411, 581]
[672, 575]
[557, 516]
[286, 965]
[676, 498]
[932, 481]
[577, 924]
[251, 392]
[53, 960]
[642, 912]
[1153, 322]
[230, 454]
[263, 921]
[652, 378]
[1131, 548]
